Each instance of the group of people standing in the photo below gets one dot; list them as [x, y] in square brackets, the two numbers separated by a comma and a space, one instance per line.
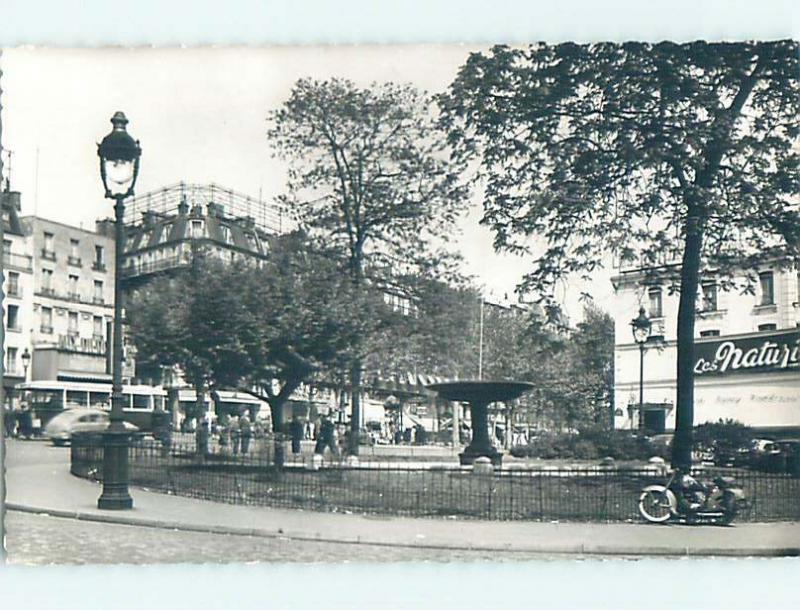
[235, 432]
[19, 422]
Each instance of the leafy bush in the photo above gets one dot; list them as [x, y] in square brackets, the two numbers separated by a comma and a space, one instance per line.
[723, 435]
[589, 444]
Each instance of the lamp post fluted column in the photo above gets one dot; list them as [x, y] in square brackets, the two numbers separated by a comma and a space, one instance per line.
[641, 327]
[115, 494]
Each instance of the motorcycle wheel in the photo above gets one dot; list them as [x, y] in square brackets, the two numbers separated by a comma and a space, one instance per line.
[655, 506]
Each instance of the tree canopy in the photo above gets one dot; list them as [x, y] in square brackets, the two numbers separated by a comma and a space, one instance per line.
[370, 178]
[648, 151]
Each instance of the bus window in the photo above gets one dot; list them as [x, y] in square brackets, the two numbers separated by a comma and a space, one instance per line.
[141, 401]
[50, 399]
[158, 402]
[99, 399]
[77, 398]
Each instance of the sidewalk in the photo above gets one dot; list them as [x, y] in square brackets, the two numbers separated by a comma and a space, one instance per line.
[51, 489]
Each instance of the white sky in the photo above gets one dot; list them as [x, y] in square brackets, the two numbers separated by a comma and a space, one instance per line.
[200, 116]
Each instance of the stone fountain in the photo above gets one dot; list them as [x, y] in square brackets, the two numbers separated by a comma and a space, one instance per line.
[479, 395]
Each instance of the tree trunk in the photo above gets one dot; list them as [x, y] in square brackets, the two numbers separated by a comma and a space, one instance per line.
[199, 412]
[684, 405]
[355, 401]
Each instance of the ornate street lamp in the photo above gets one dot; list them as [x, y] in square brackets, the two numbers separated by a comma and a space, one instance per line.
[641, 327]
[119, 167]
[26, 361]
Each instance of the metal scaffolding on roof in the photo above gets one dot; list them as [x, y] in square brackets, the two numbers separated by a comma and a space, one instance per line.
[165, 201]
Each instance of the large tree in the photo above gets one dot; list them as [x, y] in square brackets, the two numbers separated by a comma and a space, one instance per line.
[688, 150]
[262, 328]
[198, 320]
[370, 175]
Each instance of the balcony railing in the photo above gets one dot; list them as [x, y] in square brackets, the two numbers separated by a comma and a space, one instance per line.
[172, 262]
[98, 300]
[14, 291]
[74, 296]
[98, 266]
[75, 261]
[48, 292]
[17, 262]
[46, 330]
[48, 255]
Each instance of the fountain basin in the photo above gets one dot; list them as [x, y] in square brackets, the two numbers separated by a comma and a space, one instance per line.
[479, 395]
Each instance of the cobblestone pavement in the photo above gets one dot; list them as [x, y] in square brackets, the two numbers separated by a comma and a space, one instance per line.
[41, 539]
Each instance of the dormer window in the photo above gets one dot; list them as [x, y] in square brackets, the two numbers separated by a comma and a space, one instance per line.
[197, 229]
[165, 231]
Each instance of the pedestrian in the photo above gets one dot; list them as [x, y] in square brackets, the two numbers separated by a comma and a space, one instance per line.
[245, 432]
[26, 422]
[224, 433]
[296, 429]
[201, 438]
[235, 435]
[10, 422]
[326, 437]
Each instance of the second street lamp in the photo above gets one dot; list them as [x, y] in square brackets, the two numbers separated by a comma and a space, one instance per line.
[119, 167]
[641, 327]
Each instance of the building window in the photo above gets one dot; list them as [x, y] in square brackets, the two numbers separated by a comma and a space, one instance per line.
[6, 246]
[98, 291]
[655, 309]
[99, 259]
[709, 297]
[74, 253]
[197, 228]
[97, 327]
[11, 359]
[73, 287]
[47, 321]
[47, 281]
[13, 284]
[709, 333]
[48, 251]
[226, 234]
[73, 323]
[767, 327]
[767, 285]
[13, 317]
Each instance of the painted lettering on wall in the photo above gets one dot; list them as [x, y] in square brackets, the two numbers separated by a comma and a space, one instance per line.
[764, 354]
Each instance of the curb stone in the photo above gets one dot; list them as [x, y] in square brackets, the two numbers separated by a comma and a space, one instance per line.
[576, 549]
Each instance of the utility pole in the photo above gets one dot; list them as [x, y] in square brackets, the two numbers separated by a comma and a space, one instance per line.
[480, 342]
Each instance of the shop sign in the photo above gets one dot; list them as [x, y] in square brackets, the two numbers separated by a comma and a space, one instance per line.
[763, 354]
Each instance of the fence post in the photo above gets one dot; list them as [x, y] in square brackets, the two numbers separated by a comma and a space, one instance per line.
[511, 495]
[541, 478]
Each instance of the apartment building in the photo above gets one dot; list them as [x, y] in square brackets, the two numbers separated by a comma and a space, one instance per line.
[17, 290]
[747, 351]
[72, 301]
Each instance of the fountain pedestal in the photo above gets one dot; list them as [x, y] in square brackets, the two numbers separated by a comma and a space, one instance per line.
[479, 395]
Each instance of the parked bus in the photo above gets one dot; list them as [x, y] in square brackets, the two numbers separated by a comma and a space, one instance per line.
[49, 398]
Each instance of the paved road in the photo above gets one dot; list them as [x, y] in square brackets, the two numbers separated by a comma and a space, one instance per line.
[41, 539]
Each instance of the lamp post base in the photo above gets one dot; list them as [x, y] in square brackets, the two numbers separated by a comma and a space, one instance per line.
[115, 494]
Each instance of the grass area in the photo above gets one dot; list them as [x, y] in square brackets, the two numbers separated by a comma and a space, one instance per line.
[546, 490]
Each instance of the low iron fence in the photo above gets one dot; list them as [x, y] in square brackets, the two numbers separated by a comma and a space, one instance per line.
[567, 494]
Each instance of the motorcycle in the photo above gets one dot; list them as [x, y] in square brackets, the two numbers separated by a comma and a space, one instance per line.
[685, 499]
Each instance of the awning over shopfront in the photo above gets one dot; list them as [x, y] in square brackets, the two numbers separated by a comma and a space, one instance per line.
[405, 384]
